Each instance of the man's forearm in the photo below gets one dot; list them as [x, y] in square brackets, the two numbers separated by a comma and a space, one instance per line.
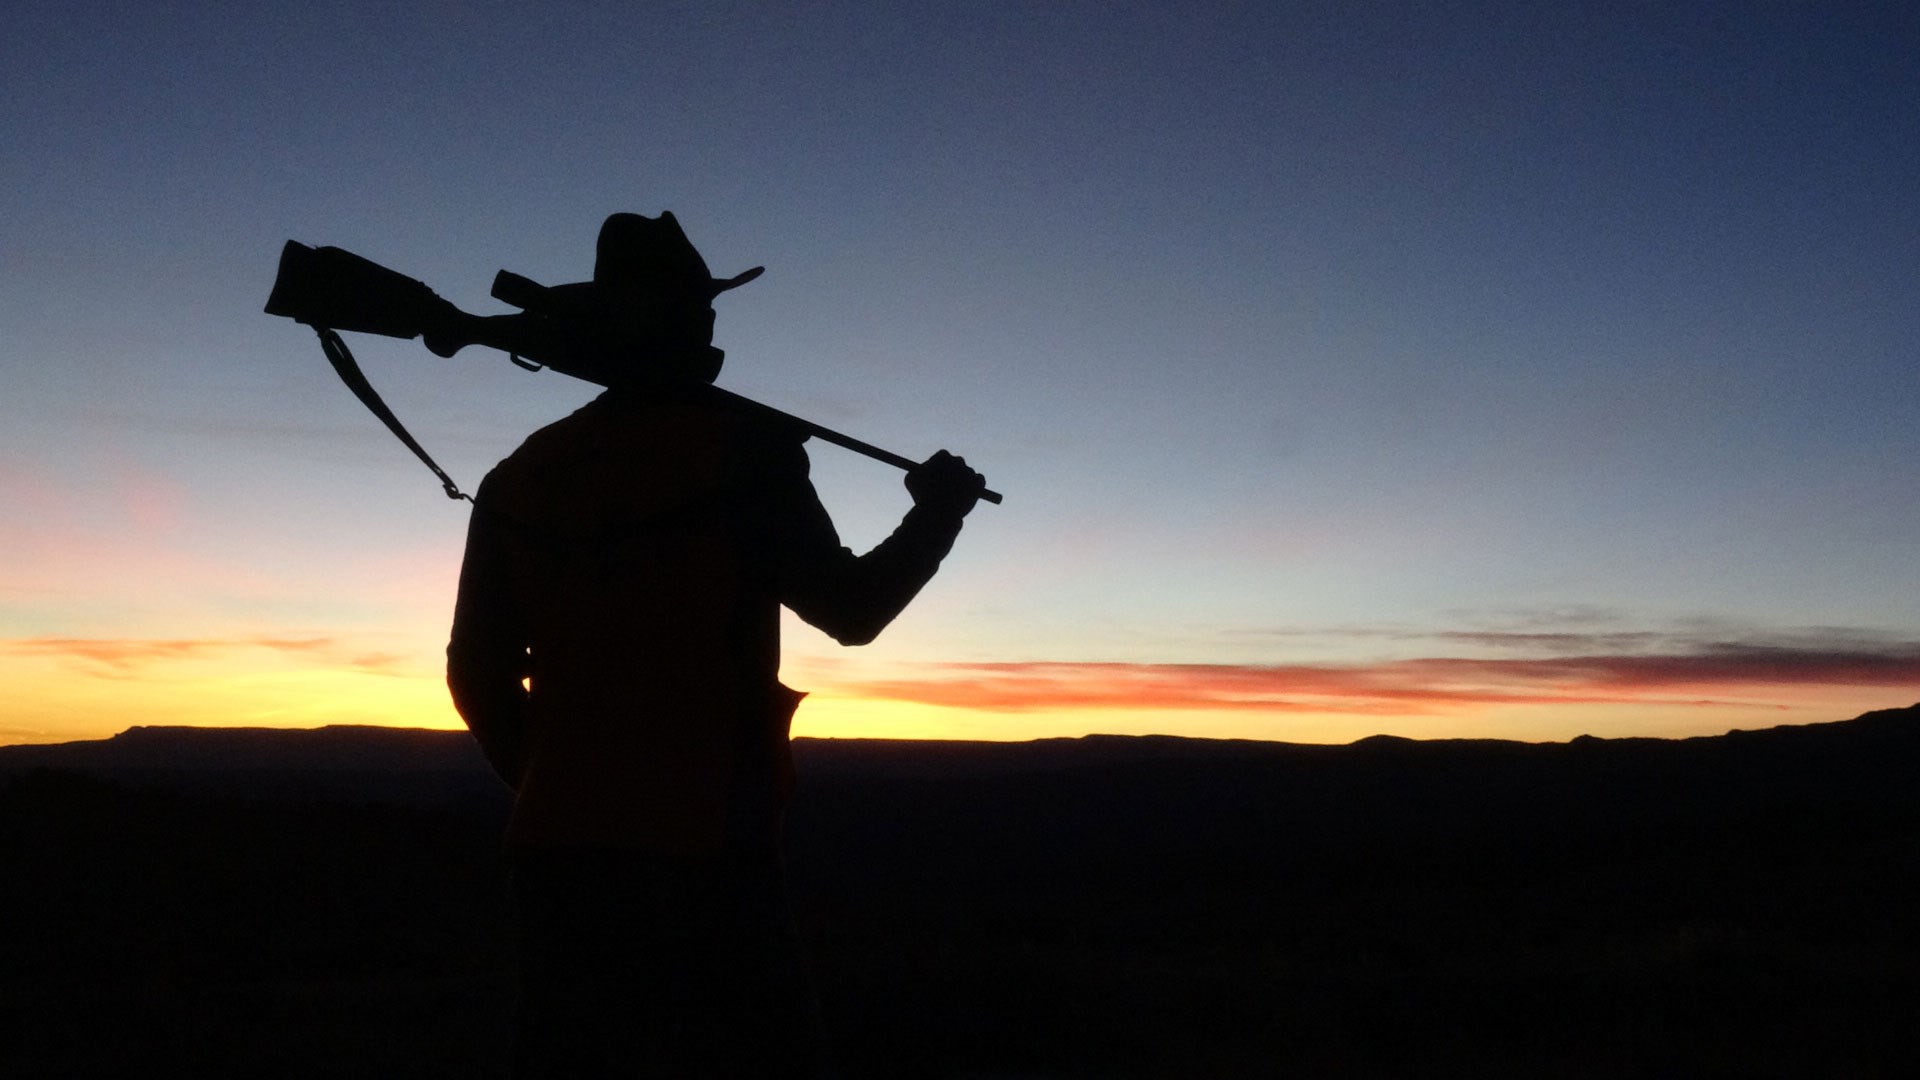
[487, 651]
[494, 706]
[855, 597]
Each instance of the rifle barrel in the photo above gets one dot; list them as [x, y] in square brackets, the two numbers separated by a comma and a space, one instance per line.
[827, 434]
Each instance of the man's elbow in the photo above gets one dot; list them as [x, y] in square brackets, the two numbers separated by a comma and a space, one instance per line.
[856, 618]
[858, 628]
[481, 686]
[465, 681]
[859, 633]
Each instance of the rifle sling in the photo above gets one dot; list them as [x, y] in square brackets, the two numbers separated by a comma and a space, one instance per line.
[342, 360]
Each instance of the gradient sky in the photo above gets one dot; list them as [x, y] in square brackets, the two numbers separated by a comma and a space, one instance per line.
[1512, 370]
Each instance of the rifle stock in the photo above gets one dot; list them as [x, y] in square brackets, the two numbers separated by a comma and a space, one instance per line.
[330, 288]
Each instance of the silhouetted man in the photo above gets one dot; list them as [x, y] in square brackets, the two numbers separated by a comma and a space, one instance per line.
[615, 648]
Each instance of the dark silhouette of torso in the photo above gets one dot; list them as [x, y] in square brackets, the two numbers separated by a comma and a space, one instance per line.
[630, 562]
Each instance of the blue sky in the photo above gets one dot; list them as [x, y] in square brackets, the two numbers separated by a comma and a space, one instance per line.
[1339, 335]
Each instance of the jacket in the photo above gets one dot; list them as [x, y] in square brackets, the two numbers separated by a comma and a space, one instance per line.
[616, 638]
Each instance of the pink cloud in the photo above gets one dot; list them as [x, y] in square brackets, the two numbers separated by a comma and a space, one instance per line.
[1704, 676]
[120, 657]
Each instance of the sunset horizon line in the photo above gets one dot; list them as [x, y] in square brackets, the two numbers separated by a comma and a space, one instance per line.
[1009, 741]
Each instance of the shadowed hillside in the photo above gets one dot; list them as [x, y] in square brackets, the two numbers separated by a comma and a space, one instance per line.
[317, 903]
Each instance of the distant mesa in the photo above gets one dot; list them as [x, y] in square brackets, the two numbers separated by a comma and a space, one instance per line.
[1112, 797]
[341, 747]
[358, 762]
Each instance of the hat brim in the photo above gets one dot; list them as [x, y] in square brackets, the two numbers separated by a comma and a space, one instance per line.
[721, 285]
[580, 294]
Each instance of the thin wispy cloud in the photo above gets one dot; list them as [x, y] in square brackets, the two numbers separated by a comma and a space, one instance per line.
[1576, 632]
[128, 657]
[1556, 642]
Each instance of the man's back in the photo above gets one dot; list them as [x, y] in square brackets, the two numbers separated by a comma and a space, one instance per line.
[629, 561]
[631, 553]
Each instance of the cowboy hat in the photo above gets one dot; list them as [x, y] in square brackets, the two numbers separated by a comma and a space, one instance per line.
[655, 254]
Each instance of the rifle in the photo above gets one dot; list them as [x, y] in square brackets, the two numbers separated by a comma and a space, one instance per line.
[559, 327]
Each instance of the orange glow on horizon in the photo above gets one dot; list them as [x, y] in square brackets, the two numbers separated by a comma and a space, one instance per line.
[65, 689]
[62, 690]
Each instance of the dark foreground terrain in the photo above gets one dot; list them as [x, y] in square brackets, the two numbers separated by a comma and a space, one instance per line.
[333, 903]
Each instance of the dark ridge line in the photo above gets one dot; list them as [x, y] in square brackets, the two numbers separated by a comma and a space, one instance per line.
[368, 747]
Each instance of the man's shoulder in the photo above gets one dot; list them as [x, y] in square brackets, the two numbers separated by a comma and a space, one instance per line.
[633, 444]
[573, 432]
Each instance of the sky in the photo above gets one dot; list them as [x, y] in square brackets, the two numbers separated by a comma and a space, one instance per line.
[1438, 370]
